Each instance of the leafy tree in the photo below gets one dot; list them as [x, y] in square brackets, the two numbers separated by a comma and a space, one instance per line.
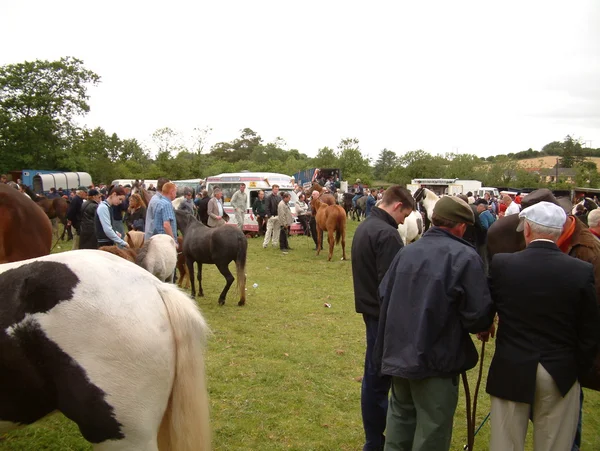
[386, 161]
[351, 162]
[421, 164]
[461, 166]
[326, 158]
[39, 102]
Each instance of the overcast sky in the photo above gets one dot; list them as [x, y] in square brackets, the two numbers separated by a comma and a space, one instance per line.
[444, 76]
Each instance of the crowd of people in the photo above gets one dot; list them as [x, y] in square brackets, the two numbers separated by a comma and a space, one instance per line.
[420, 303]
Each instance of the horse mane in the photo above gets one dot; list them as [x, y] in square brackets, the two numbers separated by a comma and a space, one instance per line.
[127, 254]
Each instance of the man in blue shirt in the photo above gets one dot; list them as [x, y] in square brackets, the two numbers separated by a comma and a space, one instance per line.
[486, 219]
[164, 221]
[149, 226]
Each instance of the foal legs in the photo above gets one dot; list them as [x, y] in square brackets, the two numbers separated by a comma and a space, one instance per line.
[190, 273]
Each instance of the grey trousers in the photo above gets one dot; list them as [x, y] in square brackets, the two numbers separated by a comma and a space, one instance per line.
[421, 414]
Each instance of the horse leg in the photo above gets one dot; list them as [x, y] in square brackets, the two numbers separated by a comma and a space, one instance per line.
[200, 290]
[343, 232]
[190, 269]
[330, 240]
[224, 269]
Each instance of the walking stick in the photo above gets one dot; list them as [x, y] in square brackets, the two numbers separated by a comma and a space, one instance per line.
[472, 414]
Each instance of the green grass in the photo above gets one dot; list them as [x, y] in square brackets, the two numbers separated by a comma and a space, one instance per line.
[284, 371]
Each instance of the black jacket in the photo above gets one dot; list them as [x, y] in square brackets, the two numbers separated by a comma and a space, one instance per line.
[272, 202]
[548, 314]
[74, 212]
[88, 217]
[375, 244]
[203, 209]
[434, 294]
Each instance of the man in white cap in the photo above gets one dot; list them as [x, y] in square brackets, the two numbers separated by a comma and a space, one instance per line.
[547, 337]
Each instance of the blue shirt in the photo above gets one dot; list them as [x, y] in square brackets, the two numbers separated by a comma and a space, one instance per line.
[164, 212]
[150, 215]
[486, 219]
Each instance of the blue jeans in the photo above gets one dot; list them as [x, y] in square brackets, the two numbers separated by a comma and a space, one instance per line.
[355, 198]
[374, 393]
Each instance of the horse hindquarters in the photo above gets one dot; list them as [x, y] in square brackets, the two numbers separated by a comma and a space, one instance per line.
[185, 424]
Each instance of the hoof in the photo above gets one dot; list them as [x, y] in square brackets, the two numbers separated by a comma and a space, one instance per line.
[221, 301]
[243, 302]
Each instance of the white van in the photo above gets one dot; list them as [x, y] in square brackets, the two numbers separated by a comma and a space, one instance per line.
[486, 189]
[255, 181]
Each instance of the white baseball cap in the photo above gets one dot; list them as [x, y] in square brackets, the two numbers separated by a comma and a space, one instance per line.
[545, 214]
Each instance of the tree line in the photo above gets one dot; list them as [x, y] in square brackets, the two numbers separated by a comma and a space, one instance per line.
[40, 102]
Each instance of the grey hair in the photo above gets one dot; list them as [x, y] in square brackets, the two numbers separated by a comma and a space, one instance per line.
[594, 218]
[540, 230]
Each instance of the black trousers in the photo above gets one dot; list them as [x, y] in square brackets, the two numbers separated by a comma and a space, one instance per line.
[283, 238]
[313, 229]
[303, 220]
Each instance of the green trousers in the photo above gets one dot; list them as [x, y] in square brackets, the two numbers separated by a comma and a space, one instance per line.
[420, 414]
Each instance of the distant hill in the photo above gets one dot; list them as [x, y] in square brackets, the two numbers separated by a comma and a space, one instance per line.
[548, 162]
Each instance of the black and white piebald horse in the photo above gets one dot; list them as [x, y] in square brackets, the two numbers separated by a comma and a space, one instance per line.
[106, 343]
[428, 198]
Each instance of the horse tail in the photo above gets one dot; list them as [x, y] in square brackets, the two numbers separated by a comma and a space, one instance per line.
[240, 264]
[185, 423]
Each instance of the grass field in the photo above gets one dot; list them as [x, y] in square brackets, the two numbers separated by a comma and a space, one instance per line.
[284, 371]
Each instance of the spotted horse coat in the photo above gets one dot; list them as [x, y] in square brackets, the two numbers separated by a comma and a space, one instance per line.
[103, 341]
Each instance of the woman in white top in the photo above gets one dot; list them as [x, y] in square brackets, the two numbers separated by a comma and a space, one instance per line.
[302, 211]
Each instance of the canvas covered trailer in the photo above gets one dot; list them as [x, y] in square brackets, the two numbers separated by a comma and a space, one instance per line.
[65, 180]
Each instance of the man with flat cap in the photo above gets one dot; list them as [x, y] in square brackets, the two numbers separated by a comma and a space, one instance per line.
[434, 294]
[547, 336]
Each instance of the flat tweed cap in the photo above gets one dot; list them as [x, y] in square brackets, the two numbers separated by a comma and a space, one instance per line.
[454, 209]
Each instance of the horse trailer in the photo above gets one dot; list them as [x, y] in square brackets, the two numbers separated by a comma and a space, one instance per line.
[42, 182]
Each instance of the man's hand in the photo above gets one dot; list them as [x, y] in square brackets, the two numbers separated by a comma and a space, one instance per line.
[485, 336]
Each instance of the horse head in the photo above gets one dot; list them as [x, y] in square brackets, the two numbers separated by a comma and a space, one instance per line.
[184, 219]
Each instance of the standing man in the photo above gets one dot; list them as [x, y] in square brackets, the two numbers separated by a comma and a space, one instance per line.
[284, 215]
[375, 244]
[594, 222]
[88, 238]
[74, 214]
[512, 208]
[547, 337]
[239, 202]
[216, 213]
[203, 207]
[434, 294]
[259, 208]
[187, 204]
[486, 219]
[312, 224]
[164, 213]
[154, 201]
[272, 203]
[3, 179]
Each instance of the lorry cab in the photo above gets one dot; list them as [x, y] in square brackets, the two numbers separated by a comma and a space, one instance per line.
[493, 192]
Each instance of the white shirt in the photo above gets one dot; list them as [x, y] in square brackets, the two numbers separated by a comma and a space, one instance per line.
[512, 209]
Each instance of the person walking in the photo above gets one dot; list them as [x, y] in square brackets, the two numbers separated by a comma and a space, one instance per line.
[434, 294]
[547, 337]
[375, 244]
[284, 215]
[150, 210]
[239, 202]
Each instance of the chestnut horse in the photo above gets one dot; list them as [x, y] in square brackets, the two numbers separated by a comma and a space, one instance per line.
[54, 208]
[326, 198]
[330, 218]
[25, 231]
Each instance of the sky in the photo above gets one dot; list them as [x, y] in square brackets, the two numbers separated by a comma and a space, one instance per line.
[445, 76]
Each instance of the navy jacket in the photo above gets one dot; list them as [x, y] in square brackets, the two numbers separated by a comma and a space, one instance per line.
[548, 314]
[434, 294]
[375, 244]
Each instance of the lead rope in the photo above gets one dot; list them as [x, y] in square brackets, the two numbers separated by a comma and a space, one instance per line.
[472, 414]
